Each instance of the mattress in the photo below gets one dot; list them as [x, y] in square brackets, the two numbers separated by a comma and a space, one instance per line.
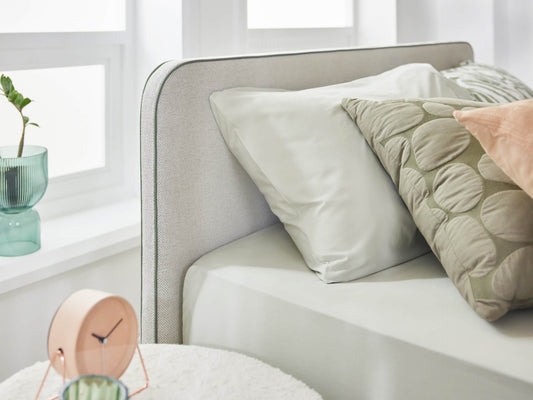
[403, 333]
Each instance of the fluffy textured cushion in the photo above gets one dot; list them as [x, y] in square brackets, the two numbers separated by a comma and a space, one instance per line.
[477, 222]
[319, 176]
[489, 83]
[179, 372]
[506, 134]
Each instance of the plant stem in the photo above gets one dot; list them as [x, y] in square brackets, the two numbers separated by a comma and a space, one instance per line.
[21, 143]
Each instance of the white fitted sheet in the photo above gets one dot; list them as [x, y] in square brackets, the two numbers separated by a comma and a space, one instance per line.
[403, 333]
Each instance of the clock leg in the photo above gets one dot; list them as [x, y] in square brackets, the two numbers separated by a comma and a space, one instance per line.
[58, 353]
[145, 373]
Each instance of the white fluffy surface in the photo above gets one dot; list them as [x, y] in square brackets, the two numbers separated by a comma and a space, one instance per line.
[181, 373]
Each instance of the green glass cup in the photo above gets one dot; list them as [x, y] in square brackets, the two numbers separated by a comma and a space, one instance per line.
[23, 181]
[94, 387]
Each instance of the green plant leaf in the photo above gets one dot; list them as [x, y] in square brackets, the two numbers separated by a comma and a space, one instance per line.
[25, 102]
[7, 85]
[12, 96]
[18, 100]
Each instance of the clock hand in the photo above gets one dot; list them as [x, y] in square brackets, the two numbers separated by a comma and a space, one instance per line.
[103, 356]
[101, 339]
[112, 329]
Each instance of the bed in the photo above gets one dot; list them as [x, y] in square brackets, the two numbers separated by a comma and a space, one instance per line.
[218, 268]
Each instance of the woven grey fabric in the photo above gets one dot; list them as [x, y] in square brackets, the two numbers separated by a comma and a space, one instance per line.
[195, 195]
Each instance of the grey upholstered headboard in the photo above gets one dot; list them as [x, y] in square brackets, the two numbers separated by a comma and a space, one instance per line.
[195, 196]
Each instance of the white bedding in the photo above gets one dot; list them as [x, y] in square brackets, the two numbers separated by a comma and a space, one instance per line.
[403, 333]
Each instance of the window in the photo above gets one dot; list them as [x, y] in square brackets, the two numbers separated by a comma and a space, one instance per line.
[277, 25]
[223, 27]
[70, 57]
[70, 110]
[276, 14]
[63, 16]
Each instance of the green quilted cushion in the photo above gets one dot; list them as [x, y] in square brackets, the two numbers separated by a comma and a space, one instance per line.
[476, 220]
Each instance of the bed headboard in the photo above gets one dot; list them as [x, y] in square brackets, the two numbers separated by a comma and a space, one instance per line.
[195, 195]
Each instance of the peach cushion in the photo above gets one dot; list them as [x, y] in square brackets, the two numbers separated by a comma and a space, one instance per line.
[506, 134]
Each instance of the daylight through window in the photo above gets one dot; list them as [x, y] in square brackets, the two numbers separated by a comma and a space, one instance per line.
[275, 14]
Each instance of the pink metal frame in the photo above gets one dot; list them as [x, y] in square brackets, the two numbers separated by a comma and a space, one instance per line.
[59, 353]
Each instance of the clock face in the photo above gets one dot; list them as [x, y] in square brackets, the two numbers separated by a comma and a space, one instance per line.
[107, 338]
[96, 334]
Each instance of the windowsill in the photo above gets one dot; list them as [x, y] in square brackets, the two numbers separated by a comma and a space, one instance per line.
[75, 240]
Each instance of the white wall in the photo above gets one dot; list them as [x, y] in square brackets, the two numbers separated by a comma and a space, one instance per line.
[375, 22]
[500, 31]
[213, 28]
[513, 39]
[27, 312]
[449, 20]
[158, 35]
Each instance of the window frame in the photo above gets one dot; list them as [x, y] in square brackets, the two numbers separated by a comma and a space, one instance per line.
[274, 39]
[113, 50]
[263, 40]
[202, 36]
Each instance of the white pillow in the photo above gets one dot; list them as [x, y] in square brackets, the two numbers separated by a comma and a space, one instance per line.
[318, 174]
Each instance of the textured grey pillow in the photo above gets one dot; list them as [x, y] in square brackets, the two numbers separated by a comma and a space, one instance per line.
[475, 219]
[489, 83]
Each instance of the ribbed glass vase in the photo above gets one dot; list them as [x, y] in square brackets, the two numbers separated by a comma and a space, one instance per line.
[23, 181]
[94, 387]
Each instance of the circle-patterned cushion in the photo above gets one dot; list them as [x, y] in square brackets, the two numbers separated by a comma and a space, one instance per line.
[475, 219]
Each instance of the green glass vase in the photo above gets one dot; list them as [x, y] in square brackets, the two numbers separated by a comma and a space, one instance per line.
[23, 181]
[94, 387]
